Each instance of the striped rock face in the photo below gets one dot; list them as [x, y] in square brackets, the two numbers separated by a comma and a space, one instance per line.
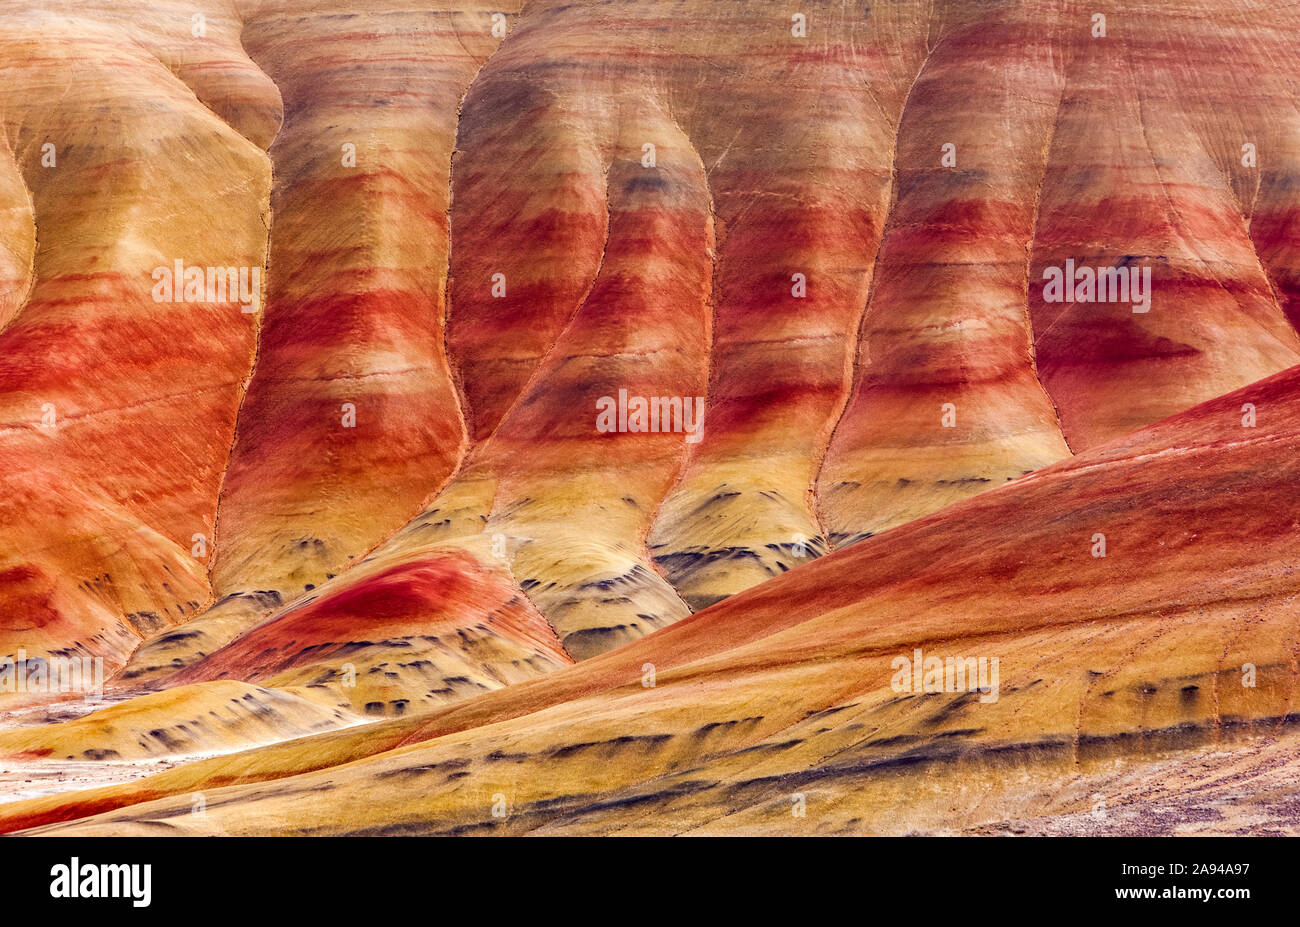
[118, 400]
[627, 387]
[816, 691]
[351, 419]
[1177, 191]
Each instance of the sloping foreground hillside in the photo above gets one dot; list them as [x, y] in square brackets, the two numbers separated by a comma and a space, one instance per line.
[463, 226]
[1148, 689]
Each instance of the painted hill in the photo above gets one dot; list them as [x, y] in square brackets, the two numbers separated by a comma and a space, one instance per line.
[749, 342]
[1176, 643]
